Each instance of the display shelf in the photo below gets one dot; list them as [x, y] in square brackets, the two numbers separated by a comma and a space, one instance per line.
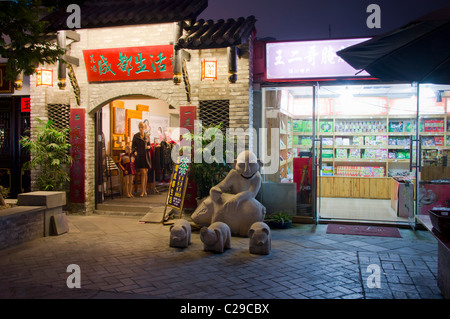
[358, 160]
[362, 146]
[397, 128]
[359, 133]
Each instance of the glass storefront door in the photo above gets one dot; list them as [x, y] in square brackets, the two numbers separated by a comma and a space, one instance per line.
[366, 147]
[433, 187]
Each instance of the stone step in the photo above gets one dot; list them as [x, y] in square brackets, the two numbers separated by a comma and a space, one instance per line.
[126, 210]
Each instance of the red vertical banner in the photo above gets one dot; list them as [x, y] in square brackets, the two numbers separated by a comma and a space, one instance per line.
[78, 150]
[188, 114]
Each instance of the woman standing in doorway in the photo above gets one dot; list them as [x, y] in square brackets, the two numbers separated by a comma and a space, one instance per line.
[141, 149]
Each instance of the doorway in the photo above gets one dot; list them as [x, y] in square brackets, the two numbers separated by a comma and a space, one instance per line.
[14, 124]
[116, 123]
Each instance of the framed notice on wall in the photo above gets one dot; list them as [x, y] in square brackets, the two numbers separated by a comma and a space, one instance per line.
[5, 86]
[119, 120]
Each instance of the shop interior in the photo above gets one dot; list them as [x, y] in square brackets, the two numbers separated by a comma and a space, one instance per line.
[364, 148]
[119, 122]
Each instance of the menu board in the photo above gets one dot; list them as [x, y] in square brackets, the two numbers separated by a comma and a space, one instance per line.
[178, 184]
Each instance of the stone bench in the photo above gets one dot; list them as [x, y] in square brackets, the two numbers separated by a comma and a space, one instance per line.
[37, 214]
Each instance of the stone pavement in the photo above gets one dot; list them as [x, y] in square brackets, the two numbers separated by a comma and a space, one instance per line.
[121, 258]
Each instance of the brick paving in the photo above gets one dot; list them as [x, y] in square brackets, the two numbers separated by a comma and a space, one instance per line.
[121, 258]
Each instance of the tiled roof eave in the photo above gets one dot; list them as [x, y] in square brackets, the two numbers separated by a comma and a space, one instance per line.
[220, 34]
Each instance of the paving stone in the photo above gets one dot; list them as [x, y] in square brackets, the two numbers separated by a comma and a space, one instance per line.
[125, 256]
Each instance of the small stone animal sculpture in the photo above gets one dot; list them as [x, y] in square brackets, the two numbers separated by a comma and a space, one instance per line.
[216, 237]
[232, 201]
[180, 234]
[260, 239]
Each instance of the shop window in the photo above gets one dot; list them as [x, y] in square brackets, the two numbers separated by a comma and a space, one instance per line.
[60, 115]
[215, 112]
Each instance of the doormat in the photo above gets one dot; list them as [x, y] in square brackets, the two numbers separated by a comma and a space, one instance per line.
[153, 217]
[363, 230]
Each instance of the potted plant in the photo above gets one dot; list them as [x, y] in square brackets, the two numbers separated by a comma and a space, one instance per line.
[279, 220]
[50, 156]
[206, 175]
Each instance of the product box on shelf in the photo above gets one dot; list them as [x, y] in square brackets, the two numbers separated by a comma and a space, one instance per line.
[402, 154]
[302, 126]
[369, 153]
[306, 141]
[434, 126]
[327, 170]
[328, 141]
[358, 140]
[360, 171]
[327, 153]
[282, 126]
[427, 141]
[355, 153]
[326, 126]
[341, 153]
[297, 126]
[396, 126]
[375, 140]
[439, 141]
[399, 140]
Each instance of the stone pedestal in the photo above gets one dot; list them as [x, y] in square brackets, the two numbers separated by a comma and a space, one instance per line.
[279, 197]
[55, 221]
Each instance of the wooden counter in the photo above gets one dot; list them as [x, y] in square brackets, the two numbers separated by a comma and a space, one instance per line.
[356, 187]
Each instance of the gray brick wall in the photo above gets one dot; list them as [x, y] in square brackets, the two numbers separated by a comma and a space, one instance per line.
[19, 228]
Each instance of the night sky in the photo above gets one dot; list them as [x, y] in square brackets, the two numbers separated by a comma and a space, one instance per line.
[299, 19]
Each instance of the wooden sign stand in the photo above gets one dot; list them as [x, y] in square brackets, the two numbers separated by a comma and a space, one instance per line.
[173, 185]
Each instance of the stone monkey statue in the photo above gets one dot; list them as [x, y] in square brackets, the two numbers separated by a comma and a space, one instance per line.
[238, 209]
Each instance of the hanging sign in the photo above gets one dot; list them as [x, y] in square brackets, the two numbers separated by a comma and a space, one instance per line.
[25, 104]
[309, 59]
[129, 64]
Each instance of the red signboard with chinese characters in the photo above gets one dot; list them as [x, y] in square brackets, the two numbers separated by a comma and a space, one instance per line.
[25, 104]
[78, 141]
[129, 64]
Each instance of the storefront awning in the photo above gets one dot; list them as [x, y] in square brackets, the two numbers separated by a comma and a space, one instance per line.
[209, 34]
